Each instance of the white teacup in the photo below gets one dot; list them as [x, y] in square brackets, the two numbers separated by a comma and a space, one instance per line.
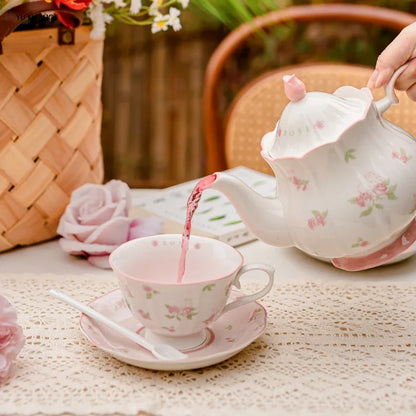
[178, 313]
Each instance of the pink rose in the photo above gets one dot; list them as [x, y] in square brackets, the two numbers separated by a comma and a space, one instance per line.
[96, 222]
[380, 189]
[11, 338]
[173, 309]
[362, 199]
[186, 311]
[312, 223]
[296, 181]
[320, 219]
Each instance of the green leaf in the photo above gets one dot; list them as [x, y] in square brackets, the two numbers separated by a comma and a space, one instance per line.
[220, 217]
[315, 212]
[204, 212]
[391, 195]
[233, 222]
[349, 155]
[212, 198]
[367, 212]
[379, 206]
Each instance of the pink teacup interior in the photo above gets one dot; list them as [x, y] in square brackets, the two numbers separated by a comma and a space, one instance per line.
[156, 259]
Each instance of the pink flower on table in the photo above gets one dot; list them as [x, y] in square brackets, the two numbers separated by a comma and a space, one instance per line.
[11, 339]
[96, 221]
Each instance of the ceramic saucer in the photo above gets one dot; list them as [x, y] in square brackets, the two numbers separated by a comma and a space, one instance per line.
[227, 336]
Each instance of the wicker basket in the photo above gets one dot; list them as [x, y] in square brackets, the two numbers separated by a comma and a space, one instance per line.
[50, 122]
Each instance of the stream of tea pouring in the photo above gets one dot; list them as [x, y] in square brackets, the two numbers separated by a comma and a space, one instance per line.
[191, 207]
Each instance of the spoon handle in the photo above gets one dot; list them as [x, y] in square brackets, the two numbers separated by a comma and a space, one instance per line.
[92, 313]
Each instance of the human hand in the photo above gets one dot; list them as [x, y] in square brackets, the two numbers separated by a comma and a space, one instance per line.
[400, 51]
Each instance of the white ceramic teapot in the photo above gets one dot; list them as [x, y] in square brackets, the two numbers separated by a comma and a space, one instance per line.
[346, 179]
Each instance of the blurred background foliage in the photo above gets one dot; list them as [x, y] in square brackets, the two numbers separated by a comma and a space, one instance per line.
[291, 44]
[153, 84]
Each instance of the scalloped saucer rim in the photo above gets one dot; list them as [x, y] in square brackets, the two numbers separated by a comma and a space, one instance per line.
[227, 336]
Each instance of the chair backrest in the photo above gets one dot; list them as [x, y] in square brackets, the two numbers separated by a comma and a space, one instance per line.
[236, 140]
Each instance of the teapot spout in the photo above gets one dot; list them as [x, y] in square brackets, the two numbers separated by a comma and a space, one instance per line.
[263, 216]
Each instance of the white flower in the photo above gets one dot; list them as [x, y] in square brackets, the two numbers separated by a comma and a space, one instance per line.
[154, 7]
[174, 21]
[99, 20]
[160, 22]
[119, 3]
[135, 6]
[184, 3]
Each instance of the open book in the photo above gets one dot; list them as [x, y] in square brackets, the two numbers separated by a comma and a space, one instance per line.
[215, 217]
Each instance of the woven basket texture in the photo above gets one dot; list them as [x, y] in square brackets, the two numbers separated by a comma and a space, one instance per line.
[258, 107]
[50, 126]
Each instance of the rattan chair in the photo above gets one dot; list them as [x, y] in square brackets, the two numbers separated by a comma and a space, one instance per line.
[256, 108]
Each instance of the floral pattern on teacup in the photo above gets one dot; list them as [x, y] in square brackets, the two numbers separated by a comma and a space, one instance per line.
[149, 291]
[301, 184]
[143, 314]
[376, 191]
[318, 219]
[360, 243]
[402, 155]
[210, 319]
[175, 312]
[119, 304]
[170, 329]
[349, 155]
[253, 317]
[208, 288]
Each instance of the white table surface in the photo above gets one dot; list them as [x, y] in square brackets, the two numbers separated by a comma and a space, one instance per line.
[291, 264]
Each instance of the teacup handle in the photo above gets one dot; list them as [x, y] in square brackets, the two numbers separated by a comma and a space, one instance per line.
[391, 98]
[250, 298]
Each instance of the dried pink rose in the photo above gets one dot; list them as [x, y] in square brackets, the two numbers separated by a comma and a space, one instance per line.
[96, 222]
[11, 338]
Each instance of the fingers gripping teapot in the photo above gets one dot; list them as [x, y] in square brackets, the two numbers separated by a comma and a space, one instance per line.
[346, 182]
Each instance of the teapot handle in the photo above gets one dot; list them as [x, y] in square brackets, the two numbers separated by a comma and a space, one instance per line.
[391, 98]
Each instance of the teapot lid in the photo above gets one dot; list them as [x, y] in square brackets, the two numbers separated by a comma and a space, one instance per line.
[313, 119]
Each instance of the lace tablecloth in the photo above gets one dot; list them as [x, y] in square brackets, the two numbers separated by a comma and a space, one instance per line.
[329, 349]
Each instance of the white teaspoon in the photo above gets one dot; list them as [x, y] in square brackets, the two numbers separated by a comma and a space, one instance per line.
[161, 351]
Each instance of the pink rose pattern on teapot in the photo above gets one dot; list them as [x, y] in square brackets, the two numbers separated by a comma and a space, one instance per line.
[373, 193]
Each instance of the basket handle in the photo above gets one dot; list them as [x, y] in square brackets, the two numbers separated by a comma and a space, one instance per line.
[14, 17]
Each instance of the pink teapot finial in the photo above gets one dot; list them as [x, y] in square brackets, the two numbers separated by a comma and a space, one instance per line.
[294, 88]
